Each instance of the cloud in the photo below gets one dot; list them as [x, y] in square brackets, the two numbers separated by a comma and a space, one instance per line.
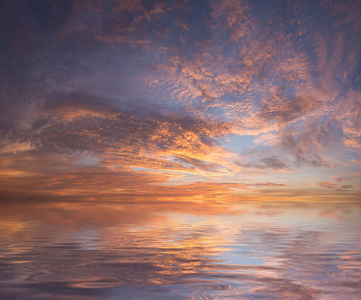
[269, 184]
[259, 163]
[285, 110]
[124, 134]
[92, 182]
[334, 186]
[349, 114]
[304, 147]
[164, 86]
[343, 179]
[274, 163]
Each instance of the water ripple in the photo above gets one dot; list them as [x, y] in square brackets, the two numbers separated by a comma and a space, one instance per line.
[211, 257]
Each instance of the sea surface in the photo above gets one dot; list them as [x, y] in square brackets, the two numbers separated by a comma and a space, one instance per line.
[180, 250]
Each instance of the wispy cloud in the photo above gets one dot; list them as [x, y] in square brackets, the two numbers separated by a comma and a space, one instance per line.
[334, 186]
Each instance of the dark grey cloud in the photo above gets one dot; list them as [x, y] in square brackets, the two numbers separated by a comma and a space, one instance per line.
[304, 149]
[334, 186]
[266, 163]
[343, 179]
[274, 163]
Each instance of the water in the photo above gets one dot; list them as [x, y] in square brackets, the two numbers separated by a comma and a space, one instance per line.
[180, 250]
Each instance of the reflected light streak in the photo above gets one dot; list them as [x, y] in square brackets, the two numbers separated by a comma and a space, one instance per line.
[241, 250]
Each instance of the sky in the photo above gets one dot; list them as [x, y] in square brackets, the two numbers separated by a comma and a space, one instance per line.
[136, 100]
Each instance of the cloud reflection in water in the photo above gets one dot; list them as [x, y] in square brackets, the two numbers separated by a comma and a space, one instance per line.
[235, 251]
